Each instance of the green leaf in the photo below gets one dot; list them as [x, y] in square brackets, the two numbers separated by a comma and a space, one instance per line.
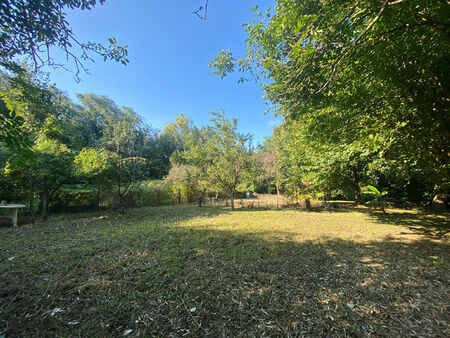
[373, 189]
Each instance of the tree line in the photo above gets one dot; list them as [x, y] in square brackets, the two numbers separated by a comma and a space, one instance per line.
[98, 150]
[48, 141]
[49, 144]
[362, 88]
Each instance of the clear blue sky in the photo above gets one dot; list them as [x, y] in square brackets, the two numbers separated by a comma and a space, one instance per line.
[169, 51]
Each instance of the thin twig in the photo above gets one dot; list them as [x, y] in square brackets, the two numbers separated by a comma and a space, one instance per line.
[190, 314]
[200, 10]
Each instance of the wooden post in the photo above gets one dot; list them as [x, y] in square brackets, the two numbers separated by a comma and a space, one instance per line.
[14, 217]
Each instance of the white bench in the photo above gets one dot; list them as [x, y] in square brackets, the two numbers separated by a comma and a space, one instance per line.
[14, 208]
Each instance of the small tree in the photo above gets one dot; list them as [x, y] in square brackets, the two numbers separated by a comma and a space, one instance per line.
[190, 178]
[190, 165]
[228, 153]
[47, 167]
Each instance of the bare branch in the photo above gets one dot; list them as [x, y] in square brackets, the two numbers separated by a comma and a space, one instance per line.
[202, 10]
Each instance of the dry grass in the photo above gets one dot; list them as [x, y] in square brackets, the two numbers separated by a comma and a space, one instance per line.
[259, 201]
[188, 271]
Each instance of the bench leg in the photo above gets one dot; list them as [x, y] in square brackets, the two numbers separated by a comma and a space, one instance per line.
[14, 217]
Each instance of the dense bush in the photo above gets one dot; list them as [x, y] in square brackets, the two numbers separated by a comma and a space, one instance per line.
[75, 195]
[149, 193]
[145, 193]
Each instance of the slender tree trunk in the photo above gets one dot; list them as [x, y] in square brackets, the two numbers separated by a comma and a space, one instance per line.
[199, 201]
[179, 197]
[356, 188]
[44, 200]
[119, 194]
[202, 196]
[31, 201]
[278, 192]
[232, 199]
[308, 204]
[357, 195]
[119, 179]
[97, 199]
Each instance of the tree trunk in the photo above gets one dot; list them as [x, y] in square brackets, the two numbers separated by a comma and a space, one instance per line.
[44, 200]
[278, 193]
[119, 194]
[357, 197]
[97, 199]
[179, 196]
[308, 204]
[199, 201]
[31, 201]
[119, 181]
[232, 199]
[440, 199]
[356, 188]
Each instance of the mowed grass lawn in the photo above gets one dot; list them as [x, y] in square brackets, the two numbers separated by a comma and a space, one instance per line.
[189, 271]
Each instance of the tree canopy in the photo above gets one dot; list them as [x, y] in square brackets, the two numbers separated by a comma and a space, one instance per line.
[367, 80]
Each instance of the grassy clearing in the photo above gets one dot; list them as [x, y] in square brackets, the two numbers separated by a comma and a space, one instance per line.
[174, 271]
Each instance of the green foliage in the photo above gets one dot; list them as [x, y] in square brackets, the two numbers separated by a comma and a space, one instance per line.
[189, 179]
[213, 159]
[223, 64]
[10, 131]
[99, 167]
[191, 160]
[48, 142]
[228, 154]
[25, 104]
[92, 163]
[74, 196]
[32, 28]
[144, 193]
[365, 80]
[379, 200]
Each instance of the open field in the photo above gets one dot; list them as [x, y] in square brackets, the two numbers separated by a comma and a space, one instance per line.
[188, 271]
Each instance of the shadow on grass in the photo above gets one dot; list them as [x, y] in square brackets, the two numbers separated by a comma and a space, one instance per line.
[146, 271]
[432, 225]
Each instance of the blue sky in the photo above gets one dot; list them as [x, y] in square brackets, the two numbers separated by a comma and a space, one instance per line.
[169, 51]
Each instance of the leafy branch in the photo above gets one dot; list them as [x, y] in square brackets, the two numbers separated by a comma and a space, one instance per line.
[32, 28]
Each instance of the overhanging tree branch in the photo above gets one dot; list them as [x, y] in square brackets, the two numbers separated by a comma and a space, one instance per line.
[350, 48]
[29, 28]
